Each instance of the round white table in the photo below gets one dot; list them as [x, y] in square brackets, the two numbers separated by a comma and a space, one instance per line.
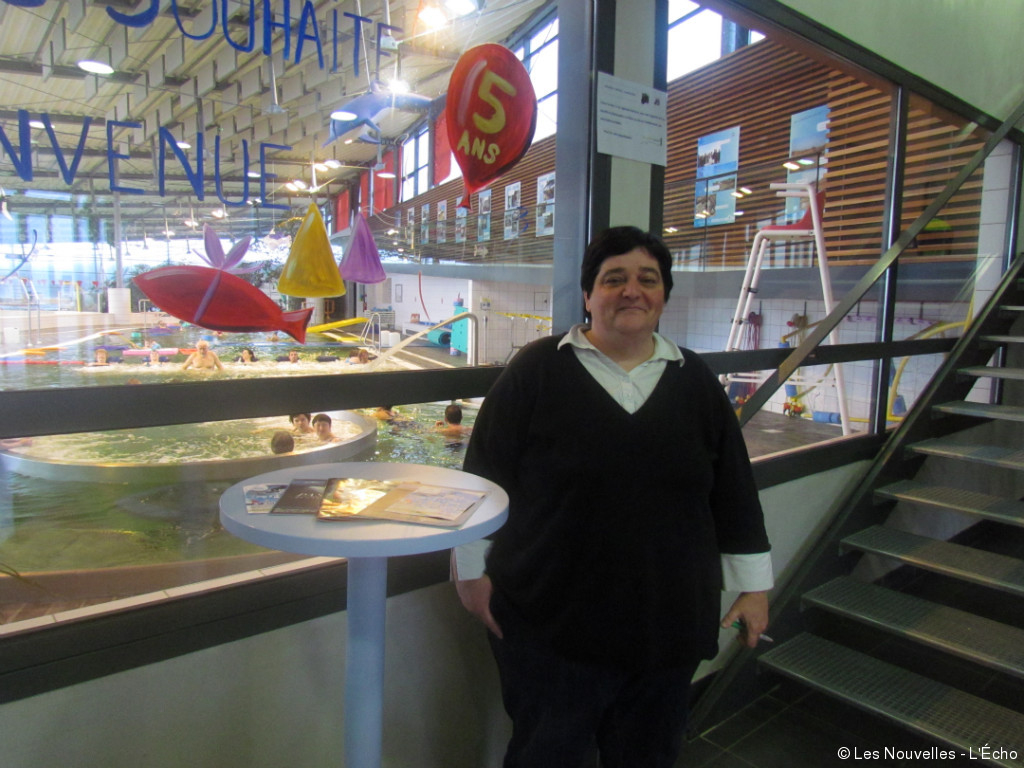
[367, 545]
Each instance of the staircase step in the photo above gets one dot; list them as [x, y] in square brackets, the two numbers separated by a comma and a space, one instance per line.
[995, 645]
[1003, 339]
[973, 565]
[983, 410]
[1006, 458]
[1017, 374]
[965, 722]
[996, 508]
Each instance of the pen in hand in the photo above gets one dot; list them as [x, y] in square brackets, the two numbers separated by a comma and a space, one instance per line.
[740, 626]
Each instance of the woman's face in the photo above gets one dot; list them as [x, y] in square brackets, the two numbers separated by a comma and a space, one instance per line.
[628, 295]
[246, 356]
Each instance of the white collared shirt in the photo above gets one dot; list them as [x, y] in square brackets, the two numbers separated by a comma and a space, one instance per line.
[630, 389]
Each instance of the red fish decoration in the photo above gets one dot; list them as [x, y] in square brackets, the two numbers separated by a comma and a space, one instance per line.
[218, 300]
[492, 113]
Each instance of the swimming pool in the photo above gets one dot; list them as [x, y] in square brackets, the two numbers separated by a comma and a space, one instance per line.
[74, 528]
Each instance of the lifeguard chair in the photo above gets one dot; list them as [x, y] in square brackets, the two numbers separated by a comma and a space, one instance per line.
[808, 229]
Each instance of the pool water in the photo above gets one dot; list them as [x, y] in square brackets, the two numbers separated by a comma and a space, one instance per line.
[50, 525]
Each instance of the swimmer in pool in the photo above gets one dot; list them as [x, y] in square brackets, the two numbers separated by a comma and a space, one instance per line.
[301, 423]
[322, 425]
[203, 358]
[293, 357]
[282, 442]
[154, 357]
[246, 356]
[102, 358]
[385, 413]
[451, 426]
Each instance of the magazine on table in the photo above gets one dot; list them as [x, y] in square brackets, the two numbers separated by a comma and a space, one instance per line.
[261, 497]
[301, 497]
[349, 498]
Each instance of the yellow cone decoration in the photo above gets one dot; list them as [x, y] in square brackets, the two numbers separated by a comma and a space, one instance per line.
[310, 271]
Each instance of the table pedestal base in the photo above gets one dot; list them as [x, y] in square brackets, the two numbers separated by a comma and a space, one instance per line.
[364, 662]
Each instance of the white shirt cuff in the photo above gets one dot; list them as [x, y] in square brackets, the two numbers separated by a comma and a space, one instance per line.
[747, 573]
[469, 560]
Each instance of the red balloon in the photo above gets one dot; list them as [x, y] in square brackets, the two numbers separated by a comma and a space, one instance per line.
[492, 113]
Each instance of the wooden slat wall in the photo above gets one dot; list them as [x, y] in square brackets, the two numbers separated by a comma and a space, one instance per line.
[758, 88]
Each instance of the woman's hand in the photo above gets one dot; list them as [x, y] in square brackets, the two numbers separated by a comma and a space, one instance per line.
[751, 611]
[475, 595]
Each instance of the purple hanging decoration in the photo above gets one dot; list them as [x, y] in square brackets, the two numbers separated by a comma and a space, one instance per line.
[361, 262]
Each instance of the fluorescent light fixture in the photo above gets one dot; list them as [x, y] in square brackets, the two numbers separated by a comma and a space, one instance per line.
[321, 166]
[36, 124]
[183, 145]
[290, 186]
[300, 184]
[218, 213]
[349, 141]
[95, 67]
[805, 161]
[343, 114]
[253, 174]
[332, 163]
[736, 193]
[671, 230]
[746, 190]
[791, 166]
[385, 175]
[737, 213]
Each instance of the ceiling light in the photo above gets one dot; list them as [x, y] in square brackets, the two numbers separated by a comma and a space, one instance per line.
[805, 161]
[342, 114]
[791, 166]
[432, 16]
[321, 166]
[385, 175]
[671, 230]
[332, 163]
[253, 174]
[736, 194]
[349, 141]
[36, 124]
[218, 213]
[460, 7]
[300, 184]
[95, 67]
[183, 145]
[398, 86]
[290, 186]
[746, 190]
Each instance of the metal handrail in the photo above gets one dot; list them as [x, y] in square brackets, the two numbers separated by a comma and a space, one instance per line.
[797, 357]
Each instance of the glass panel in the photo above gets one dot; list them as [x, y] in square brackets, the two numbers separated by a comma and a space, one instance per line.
[90, 518]
[694, 43]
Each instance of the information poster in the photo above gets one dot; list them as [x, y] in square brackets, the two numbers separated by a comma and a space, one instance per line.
[718, 156]
[808, 141]
[512, 197]
[483, 218]
[546, 204]
[461, 218]
[442, 221]
[631, 120]
[425, 223]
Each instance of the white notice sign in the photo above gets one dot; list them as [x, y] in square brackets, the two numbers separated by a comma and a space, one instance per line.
[631, 120]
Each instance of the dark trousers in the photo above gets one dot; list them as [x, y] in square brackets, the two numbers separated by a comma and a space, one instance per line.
[561, 709]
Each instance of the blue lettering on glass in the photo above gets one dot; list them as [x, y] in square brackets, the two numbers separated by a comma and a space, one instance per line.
[113, 156]
[181, 25]
[217, 179]
[24, 165]
[309, 20]
[141, 19]
[67, 173]
[264, 175]
[195, 178]
[285, 26]
[247, 47]
[357, 35]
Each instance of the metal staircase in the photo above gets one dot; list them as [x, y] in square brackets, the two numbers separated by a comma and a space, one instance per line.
[912, 605]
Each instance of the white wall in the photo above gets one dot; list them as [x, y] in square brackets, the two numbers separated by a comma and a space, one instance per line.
[966, 47]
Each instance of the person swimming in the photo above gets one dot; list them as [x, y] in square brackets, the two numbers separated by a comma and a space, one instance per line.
[246, 356]
[282, 442]
[203, 358]
[301, 423]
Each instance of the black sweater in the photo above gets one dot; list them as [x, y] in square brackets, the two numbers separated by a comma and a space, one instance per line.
[611, 552]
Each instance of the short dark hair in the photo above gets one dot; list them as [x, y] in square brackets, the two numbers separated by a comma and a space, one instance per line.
[453, 414]
[282, 442]
[292, 416]
[616, 241]
[321, 417]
